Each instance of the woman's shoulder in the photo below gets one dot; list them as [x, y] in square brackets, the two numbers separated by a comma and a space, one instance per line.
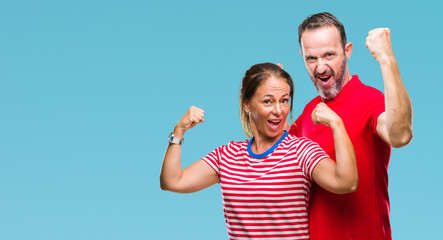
[235, 145]
[293, 141]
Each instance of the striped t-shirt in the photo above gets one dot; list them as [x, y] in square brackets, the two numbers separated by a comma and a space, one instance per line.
[265, 195]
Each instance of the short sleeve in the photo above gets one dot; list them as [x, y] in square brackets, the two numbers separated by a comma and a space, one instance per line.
[294, 130]
[213, 159]
[375, 107]
[304, 121]
[309, 155]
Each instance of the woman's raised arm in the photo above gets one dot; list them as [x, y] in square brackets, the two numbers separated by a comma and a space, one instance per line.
[198, 175]
[340, 176]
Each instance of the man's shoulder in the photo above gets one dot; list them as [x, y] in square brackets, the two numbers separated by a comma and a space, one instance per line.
[307, 110]
[367, 90]
[311, 104]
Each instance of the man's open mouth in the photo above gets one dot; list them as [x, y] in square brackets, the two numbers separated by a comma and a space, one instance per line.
[325, 78]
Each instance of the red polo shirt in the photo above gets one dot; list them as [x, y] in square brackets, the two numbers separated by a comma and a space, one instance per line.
[363, 214]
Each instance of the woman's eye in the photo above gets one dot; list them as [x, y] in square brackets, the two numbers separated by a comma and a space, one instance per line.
[267, 101]
[284, 101]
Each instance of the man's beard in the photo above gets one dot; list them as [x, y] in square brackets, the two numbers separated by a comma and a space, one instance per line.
[336, 85]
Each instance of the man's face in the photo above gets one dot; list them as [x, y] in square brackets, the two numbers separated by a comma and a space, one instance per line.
[325, 60]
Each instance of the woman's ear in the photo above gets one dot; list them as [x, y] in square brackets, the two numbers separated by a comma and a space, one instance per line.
[246, 106]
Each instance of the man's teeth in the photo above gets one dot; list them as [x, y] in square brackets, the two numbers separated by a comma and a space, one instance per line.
[324, 78]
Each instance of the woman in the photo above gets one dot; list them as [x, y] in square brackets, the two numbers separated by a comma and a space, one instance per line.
[265, 181]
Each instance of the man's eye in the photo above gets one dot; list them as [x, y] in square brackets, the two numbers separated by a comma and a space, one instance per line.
[310, 59]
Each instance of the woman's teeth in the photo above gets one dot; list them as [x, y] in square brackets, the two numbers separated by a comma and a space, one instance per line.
[274, 122]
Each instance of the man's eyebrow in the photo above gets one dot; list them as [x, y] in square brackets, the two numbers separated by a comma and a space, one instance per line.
[330, 52]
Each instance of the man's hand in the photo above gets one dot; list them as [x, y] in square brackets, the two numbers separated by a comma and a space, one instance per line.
[379, 44]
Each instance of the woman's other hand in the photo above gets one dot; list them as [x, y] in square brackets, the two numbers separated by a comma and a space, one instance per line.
[190, 119]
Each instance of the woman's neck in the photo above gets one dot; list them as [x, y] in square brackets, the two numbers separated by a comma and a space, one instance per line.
[262, 143]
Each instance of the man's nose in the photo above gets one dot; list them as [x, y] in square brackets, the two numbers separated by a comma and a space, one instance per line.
[321, 66]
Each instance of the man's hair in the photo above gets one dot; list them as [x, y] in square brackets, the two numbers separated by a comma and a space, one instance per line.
[253, 78]
[323, 19]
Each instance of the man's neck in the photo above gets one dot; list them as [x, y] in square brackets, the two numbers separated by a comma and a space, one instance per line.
[347, 78]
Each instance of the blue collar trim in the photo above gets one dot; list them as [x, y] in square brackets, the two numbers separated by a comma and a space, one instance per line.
[269, 151]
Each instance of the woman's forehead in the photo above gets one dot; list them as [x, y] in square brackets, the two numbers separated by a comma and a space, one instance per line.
[275, 86]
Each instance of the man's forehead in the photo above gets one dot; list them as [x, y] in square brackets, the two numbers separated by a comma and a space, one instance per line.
[322, 28]
[321, 38]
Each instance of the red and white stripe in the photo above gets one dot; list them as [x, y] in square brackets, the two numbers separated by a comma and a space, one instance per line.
[266, 198]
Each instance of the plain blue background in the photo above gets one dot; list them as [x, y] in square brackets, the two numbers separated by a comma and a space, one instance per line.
[89, 91]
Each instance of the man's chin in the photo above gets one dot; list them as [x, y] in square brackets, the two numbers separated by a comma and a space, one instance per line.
[327, 95]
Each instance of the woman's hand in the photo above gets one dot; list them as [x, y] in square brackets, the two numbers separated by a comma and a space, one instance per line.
[324, 115]
[192, 117]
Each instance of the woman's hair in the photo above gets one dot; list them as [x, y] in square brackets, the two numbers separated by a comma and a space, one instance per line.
[252, 80]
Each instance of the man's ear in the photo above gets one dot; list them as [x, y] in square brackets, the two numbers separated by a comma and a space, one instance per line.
[348, 50]
[302, 56]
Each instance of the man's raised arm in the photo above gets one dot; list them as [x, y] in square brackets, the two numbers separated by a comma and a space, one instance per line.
[395, 124]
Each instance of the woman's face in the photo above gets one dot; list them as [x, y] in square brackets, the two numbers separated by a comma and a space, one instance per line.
[269, 107]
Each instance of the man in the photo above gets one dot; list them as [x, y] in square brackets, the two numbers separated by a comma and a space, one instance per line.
[374, 122]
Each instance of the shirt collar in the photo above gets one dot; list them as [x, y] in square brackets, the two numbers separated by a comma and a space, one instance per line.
[347, 90]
